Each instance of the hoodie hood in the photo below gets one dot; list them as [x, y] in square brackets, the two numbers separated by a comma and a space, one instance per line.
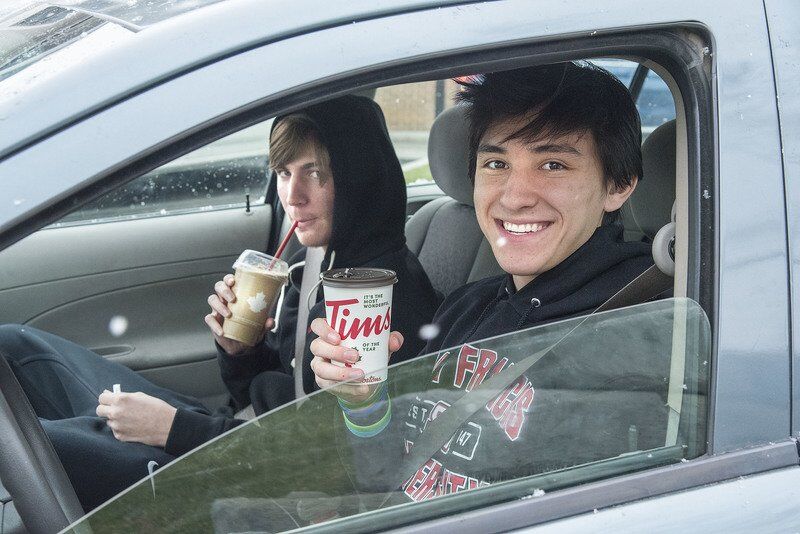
[369, 206]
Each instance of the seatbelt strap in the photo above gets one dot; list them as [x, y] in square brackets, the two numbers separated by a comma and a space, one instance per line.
[644, 287]
[308, 292]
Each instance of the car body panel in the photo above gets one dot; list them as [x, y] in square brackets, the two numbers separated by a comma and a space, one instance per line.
[173, 47]
[745, 504]
[784, 25]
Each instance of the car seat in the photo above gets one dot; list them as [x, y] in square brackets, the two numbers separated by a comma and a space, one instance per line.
[649, 208]
[444, 233]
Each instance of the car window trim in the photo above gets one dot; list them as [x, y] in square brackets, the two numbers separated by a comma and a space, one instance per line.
[584, 498]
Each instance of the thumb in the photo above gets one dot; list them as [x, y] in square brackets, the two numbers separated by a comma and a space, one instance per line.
[395, 341]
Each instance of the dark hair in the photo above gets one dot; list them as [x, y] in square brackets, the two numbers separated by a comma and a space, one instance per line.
[290, 136]
[560, 99]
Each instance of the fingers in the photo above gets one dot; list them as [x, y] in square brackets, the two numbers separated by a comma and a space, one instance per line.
[395, 341]
[218, 305]
[325, 370]
[270, 324]
[229, 280]
[320, 327]
[223, 290]
[213, 322]
[325, 350]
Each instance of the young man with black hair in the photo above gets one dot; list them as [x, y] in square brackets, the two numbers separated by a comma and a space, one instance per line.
[554, 154]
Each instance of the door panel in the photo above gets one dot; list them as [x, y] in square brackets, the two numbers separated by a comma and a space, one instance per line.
[134, 291]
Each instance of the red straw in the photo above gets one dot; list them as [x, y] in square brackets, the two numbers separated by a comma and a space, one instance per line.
[285, 241]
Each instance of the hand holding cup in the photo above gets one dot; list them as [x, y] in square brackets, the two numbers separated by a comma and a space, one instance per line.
[218, 301]
[327, 348]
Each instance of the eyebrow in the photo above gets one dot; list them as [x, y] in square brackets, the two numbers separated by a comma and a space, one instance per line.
[555, 148]
[491, 148]
[539, 149]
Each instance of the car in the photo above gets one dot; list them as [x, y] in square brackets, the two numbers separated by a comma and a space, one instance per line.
[133, 141]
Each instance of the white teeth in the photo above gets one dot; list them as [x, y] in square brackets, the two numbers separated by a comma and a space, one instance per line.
[523, 228]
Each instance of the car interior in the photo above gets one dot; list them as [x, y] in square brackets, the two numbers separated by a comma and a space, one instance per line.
[131, 284]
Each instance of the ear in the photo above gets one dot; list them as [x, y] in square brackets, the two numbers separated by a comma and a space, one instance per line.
[617, 197]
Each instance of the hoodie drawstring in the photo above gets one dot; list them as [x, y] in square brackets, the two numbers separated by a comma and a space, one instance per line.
[535, 303]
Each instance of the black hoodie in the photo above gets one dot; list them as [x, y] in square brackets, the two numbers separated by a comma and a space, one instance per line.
[368, 231]
[541, 422]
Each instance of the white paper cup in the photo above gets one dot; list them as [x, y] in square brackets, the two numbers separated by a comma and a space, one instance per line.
[358, 305]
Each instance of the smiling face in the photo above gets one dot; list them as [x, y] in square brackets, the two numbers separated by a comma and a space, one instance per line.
[538, 202]
[305, 189]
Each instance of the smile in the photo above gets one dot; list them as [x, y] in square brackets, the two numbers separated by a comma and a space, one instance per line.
[521, 229]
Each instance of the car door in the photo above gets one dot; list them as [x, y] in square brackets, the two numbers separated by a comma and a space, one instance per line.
[127, 275]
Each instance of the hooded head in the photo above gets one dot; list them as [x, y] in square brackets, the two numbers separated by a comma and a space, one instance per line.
[344, 147]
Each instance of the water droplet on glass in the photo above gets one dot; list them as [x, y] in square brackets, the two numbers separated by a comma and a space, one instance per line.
[429, 331]
[18, 201]
[118, 325]
[163, 211]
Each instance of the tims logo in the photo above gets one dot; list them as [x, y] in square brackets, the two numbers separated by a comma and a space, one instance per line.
[351, 328]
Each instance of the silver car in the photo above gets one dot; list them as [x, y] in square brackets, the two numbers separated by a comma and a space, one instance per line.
[133, 170]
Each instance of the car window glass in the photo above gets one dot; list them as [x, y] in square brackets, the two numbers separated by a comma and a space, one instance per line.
[655, 103]
[410, 110]
[515, 416]
[219, 175]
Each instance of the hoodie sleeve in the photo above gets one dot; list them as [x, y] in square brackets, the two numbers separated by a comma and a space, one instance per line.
[238, 371]
[191, 429]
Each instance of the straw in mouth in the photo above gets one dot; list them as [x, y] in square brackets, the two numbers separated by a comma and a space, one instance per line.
[283, 244]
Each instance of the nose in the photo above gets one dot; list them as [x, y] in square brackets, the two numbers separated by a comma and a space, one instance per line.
[521, 190]
[296, 191]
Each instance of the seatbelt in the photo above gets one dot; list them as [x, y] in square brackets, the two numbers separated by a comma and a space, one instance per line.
[308, 291]
[644, 287]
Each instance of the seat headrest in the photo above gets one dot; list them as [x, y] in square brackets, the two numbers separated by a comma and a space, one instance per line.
[650, 206]
[448, 154]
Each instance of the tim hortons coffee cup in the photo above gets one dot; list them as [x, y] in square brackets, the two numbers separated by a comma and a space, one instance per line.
[259, 279]
[358, 305]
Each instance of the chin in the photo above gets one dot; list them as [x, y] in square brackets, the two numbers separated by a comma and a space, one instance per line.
[520, 268]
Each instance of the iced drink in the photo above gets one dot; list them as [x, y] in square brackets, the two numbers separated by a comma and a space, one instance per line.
[259, 279]
[358, 305]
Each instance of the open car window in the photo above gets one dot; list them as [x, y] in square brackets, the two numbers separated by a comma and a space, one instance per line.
[492, 421]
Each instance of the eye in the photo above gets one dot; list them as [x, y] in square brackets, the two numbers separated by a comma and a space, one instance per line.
[495, 165]
[553, 166]
[314, 174]
[282, 173]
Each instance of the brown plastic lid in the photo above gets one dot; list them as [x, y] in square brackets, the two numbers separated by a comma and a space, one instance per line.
[361, 277]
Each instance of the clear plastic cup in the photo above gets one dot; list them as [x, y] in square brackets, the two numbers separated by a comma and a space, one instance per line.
[259, 279]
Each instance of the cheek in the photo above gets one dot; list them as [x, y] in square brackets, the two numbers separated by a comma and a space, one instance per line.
[282, 194]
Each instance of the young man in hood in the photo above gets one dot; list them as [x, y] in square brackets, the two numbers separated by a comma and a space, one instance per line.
[338, 175]
[554, 154]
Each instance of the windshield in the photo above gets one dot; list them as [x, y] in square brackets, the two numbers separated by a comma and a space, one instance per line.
[509, 417]
[31, 30]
